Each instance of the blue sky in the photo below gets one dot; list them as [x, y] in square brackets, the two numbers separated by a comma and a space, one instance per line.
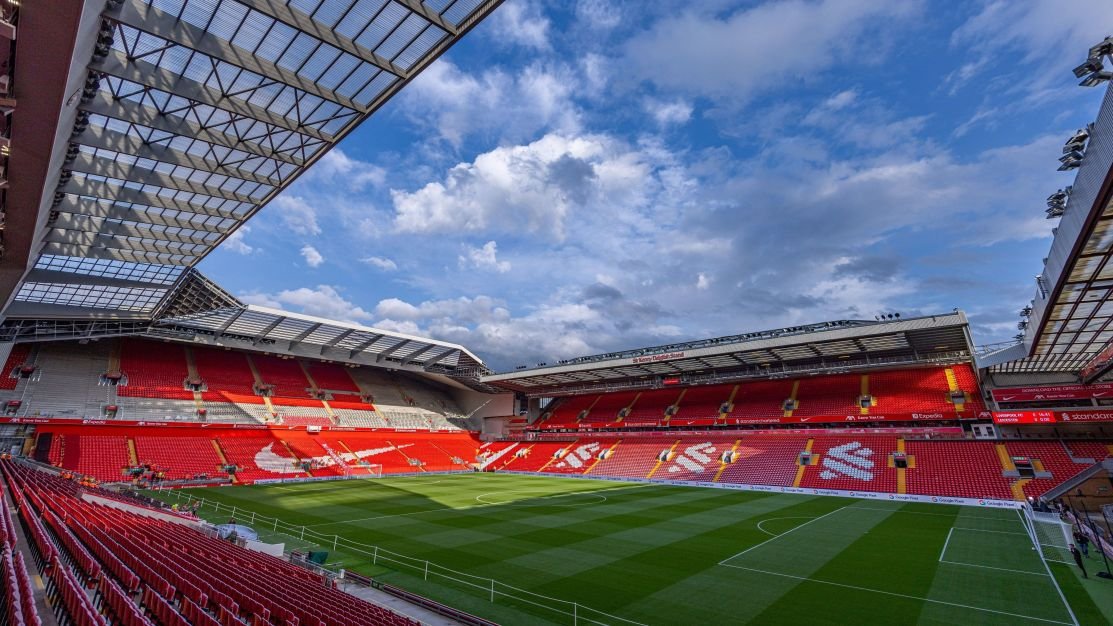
[578, 177]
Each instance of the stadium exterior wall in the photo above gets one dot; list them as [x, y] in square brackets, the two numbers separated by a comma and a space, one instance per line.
[867, 495]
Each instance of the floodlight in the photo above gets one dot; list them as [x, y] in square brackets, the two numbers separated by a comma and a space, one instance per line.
[1092, 64]
[1095, 79]
[1105, 48]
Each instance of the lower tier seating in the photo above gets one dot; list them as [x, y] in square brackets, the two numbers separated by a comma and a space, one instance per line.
[108, 566]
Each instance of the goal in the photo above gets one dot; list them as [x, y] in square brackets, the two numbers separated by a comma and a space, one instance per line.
[1050, 535]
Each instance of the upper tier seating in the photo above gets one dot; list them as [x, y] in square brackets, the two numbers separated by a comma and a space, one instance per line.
[224, 372]
[910, 391]
[332, 377]
[828, 395]
[154, 370]
[9, 378]
[68, 381]
[651, 405]
[760, 399]
[168, 567]
[701, 403]
[285, 374]
[566, 411]
[605, 410]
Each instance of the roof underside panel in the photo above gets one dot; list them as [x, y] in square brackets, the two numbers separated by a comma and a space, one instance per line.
[196, 113]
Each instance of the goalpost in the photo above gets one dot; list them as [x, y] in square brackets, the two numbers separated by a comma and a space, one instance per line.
[371, 470]
[1050, 535]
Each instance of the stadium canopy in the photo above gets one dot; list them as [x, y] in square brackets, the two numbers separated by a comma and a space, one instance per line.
[825, 348]
[147, 132]
[1069, 328]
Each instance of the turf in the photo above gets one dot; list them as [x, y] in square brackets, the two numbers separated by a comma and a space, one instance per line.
[660, 554]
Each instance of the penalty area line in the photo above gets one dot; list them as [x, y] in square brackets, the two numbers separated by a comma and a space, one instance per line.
[895, 594]
[772, 519]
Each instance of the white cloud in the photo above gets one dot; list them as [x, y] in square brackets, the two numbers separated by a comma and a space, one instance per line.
[484, 258]
[527, 189]
[336, 167]
[387, 265]
[312, 257]
[236, 243]
[669, 113]
[760, 47]
[513, 106]
[546, 333]
[599, 14]
[298, 216]
[702, 281]
[521, 22]
[322, 301]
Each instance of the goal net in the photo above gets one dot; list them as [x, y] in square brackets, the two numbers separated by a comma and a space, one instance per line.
[1051, 536]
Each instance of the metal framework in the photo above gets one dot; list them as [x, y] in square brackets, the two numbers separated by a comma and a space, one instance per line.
[828, 347]
[196, 113]
[1071, 323]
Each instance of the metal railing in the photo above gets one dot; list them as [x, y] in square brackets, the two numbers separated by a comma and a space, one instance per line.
[485, 588]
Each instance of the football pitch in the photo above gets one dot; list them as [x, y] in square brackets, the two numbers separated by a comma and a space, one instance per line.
[552, 550]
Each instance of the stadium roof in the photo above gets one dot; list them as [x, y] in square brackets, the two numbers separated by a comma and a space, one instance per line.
[826, 347]
[1070, 328]
[199, 311]
[168, 123]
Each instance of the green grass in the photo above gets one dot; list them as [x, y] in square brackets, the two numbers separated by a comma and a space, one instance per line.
[659, 554]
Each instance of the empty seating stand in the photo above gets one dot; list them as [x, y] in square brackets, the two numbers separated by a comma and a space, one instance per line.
[285, 375]
[224, 372]
[179, 457]
[154, 370]
[144, 570]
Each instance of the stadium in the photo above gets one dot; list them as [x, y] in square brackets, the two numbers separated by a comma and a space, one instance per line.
[175, 454]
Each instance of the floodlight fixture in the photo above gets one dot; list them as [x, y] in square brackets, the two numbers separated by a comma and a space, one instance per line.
[1095, 79]
[1091, 65]
[1103, 49]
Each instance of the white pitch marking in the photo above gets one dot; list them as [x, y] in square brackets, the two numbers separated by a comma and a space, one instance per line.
[756, 546]
[1003, 569]
[945, 544]
[873, 508]
[898, 595]
[777, 518]
[985, 530]
[480, 499]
